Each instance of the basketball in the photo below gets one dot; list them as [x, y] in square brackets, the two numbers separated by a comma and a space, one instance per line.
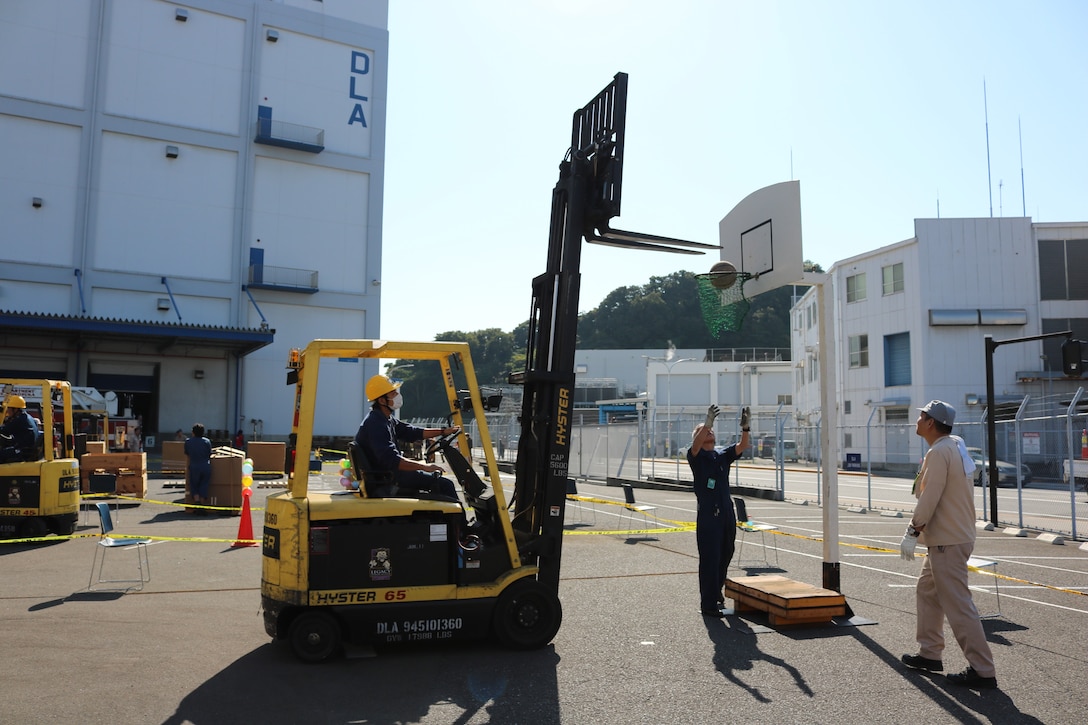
[723, 275]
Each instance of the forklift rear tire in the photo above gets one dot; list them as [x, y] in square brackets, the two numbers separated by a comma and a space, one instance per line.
[315, 636]
[527, 615]
[33, 528]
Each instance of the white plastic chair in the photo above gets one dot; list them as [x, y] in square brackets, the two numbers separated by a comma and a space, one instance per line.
[633, 507]
[575, 507]
[748, 526]
[107, 543]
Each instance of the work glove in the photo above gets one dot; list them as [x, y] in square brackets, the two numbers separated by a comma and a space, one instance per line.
[711, 414]
[908, 544]
[744, 415]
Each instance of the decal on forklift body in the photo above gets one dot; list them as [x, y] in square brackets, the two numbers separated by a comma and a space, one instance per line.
[418, 629]
[563, 417]
[318, 599]
[270, 544]
[381, 569]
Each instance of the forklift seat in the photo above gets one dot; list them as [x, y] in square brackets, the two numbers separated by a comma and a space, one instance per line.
[372, 483]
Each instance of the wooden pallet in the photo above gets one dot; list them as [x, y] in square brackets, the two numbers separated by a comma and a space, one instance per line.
[786, 602]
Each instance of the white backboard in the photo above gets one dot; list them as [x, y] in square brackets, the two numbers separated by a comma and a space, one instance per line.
[762, 236]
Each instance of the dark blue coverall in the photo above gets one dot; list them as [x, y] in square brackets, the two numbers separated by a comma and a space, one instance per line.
[715, 522]
[378, 435]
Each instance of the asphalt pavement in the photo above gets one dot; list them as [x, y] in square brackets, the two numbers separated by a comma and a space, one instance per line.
[633, 648]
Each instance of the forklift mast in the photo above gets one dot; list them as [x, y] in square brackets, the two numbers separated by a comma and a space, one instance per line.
[584, 199]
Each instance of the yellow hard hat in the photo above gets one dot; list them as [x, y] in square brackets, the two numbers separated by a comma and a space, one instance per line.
[16, 401]
[380, 385]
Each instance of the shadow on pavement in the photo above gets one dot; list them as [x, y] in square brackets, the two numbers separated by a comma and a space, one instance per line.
[406, 684]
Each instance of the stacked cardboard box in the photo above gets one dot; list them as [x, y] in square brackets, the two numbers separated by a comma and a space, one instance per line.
[173, 457]
[130, 469]
[96, 446]
[225, 488]
[267, 457]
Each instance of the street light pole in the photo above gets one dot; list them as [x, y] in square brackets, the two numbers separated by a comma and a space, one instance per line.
[669, 365]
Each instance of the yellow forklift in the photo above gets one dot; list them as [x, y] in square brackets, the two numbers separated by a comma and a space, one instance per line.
[371, 567]
[41, 496]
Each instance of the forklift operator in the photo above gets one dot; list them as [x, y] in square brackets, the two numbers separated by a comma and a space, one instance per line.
[378, 435]
[19, 432]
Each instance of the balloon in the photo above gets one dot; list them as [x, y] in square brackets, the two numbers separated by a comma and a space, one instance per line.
[247, 468]
[345, 482]
[355, 485]
[345, 464]
[248, 461]
[247, 481]
[247, 492]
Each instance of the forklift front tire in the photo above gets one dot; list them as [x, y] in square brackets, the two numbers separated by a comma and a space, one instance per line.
[315, 636]
[527, 615]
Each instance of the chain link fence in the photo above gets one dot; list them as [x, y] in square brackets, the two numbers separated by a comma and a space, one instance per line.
[1036, 441]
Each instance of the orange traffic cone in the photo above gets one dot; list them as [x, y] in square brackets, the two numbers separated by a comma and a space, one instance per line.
[245, 526]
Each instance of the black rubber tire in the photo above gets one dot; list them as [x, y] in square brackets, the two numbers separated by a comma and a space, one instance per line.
[315, 636]
[33, 528]
[527, 615]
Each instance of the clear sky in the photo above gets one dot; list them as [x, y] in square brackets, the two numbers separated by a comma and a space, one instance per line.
[876, 107]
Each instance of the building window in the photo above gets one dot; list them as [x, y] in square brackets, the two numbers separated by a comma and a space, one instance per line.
[847, 440]
[859, 351]
[897, 359]
[846, 407]
[897, 415]
[1061, 269]
[855, 287]
[893, 278]
[785, 399]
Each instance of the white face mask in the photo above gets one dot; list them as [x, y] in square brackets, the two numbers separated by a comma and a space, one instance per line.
[397, 401]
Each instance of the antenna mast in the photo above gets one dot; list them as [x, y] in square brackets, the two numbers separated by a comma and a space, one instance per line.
[1023, 198]
[986, 116]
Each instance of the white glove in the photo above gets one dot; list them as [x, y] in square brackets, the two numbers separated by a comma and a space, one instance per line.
[711, 414]
[908, 544]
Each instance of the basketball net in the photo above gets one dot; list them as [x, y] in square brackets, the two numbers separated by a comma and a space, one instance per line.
[723, 309]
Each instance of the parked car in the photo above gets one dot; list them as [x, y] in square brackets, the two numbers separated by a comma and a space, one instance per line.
[1006, 472]
[766, 448]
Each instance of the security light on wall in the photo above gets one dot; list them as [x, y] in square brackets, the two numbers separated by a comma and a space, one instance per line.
[171, 152]
[272, 35]
[181, 14]
[972, 399]
[36, 202]
[198, 374]
[163, 304]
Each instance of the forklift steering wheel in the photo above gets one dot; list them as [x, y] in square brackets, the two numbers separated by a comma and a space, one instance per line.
[440, 443]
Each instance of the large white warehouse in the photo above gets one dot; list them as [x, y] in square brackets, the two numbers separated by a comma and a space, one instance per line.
[188, 191]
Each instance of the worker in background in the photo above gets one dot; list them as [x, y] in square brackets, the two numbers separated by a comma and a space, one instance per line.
[19, 432]
[378, 435]
[198, 450]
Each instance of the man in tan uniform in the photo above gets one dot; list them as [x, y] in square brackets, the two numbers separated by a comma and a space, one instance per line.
[944, 521]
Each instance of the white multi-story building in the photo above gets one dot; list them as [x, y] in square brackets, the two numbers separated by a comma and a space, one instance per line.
[911, 318]
[188, 190]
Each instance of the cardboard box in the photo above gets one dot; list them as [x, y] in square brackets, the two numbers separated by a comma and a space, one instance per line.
[96, 446]
[268, 458]
[226, 484]
[173, 457]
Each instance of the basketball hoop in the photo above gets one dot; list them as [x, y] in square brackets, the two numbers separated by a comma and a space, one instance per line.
[724, 309]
